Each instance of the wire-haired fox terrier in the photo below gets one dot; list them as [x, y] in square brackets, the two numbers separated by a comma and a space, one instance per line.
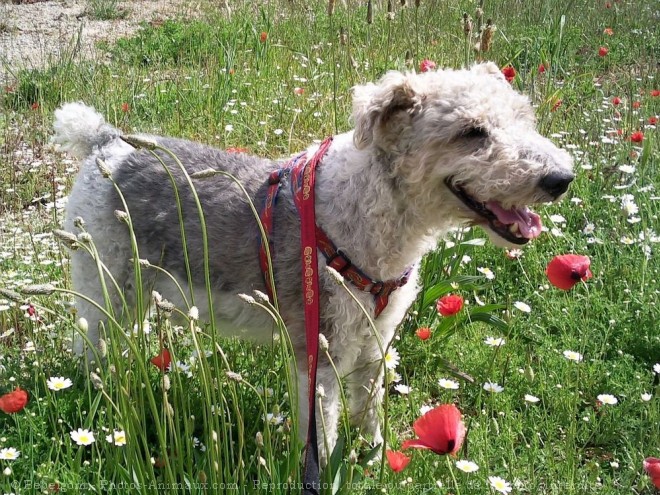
[430, 152]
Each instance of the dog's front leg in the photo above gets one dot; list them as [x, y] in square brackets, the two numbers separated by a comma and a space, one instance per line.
[365, 388]
[327, 416]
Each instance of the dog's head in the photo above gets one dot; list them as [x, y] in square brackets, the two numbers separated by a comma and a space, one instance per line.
[464, 145]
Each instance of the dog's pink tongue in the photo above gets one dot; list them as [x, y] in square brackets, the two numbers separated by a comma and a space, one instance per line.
[529, 223]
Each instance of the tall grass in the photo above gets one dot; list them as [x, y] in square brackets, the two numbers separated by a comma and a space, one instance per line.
[271, 78]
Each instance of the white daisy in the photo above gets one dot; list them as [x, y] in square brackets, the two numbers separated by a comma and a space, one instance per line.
[493, 387]
[486, 272]
[467, 466]
[521, 306]
[9, 454]
[449, 384]
[117, 438]
[499, 484]
[392, 358]
[494, 341]
[656, 368]
[573, 356]
[402, 389]
[82, 437]
[646, 397]
[531, 398]
[58, 383]
[608, 399]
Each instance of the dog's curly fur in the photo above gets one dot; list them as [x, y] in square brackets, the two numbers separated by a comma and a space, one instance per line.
[430, 152]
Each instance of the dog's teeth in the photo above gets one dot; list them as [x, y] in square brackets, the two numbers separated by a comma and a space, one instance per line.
[513, 228]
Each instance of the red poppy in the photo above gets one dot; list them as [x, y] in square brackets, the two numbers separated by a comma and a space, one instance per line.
[427, 65]
[608, 31]
[636, 104]
[509, 73]
[449, 305]
[616, 101]
[556, 105]
[652, 468]
[653, 120]
[397, 460]
[263, 37]
[163, 360]
[299, 91]
[566, 270]
[35, 106]
[14, 402]
[655, 92]
[603, 50]
[440, 430]
[542, 68]
[125, 108]
[423, 333]
[619, 132]
[232, 149]
[637, 137]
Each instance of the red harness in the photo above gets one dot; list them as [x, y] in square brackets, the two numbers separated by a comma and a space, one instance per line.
[312, 237]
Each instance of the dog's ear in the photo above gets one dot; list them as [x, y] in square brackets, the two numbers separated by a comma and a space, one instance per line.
[378, 107]
[488, 69]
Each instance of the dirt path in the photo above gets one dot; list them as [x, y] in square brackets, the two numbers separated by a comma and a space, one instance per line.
[34, 34]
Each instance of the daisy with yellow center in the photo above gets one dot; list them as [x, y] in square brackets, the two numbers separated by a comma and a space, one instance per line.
[58, 383]
[118, 438]
[82, 437]
[9, 454]
[392, 358]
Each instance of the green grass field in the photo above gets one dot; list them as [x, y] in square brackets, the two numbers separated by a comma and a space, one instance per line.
[271, 78]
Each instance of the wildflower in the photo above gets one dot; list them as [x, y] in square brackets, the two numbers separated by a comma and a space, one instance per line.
[486, 272]
[521, 306]
[449, 384]
[656, 368]
[35, 106]
[652, 468]
[636, 104]
[493, 387]
[440, 430]
[653, 120]
[627, 169]
[646, 397]
[427, 65]
[58, 383]
[423, 333]
[509, 73]
[229, 128]
[125, 107]
[392, 358]
[397, 460]
[82, 437]
[573, 356]
[14, 402]
[616, 101]
[556, 105]
[467, 466]
[232, 149]
[449, 305]
[494, 341]
[566, 270]
[163, 360]
[637, 137]
[628, 205]
[9, 454]
[402, 389]
[608, 31]
[608, 399]
[603, 50]
[499, 484]
[118, 438]
[263, 37]
[655, 93]
[531, 398]
[298, 91]
[542, 68]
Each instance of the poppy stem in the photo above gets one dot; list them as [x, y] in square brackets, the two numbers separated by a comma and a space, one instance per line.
[453, 477]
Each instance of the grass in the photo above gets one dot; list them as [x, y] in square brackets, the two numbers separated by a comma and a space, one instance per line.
[223, 82]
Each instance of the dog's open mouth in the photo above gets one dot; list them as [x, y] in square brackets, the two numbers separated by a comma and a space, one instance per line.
[516, 225]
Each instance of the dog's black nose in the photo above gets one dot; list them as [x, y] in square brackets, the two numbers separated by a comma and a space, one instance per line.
[556, 183]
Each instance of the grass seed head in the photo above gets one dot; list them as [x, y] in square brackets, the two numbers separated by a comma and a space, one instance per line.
[370, 12]
[38, 289]
[105, 171]
[467, 24]
[67, 238]
[487, 36]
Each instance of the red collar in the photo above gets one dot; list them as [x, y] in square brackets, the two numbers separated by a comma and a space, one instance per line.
[335, 258]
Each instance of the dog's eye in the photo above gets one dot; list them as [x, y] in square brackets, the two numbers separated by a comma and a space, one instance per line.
[474, 133]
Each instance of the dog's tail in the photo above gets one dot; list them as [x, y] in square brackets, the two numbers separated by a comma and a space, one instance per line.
[80, 129]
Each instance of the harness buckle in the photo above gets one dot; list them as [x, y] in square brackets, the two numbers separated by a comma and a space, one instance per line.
[339, 255]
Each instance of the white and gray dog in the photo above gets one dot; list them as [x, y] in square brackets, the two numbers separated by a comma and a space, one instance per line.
[429, 153]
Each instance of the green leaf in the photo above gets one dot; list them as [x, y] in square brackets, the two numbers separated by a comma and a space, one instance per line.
[464, 282]
[489, 318]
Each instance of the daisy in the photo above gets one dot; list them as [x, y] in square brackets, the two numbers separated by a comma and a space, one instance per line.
[392, 358]
[589, 229]
[58, 383]
[402, 389]
[573, 356]
[493, 387]
[608, 399]
[9, 454]
[494, 341]
[521, 306]
[117, 438]
[486, 272]
[656, 368]
[82, 437]
[499, 484]
[531, 398]
[449, 384]
[467, 466]
[646, 397]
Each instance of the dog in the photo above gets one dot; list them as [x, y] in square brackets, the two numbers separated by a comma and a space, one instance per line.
[430, 152]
